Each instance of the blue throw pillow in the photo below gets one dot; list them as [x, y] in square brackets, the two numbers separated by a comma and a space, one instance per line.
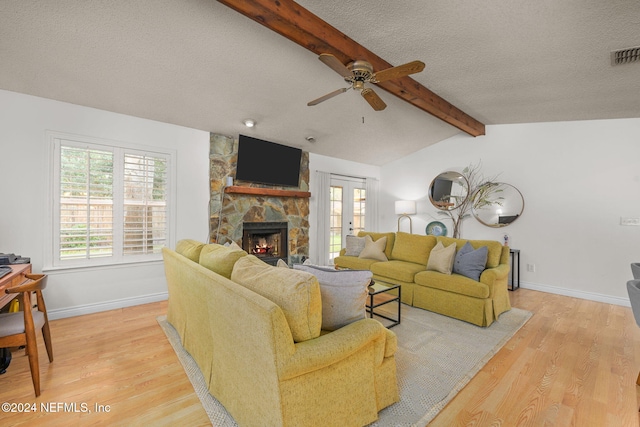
[471, 262]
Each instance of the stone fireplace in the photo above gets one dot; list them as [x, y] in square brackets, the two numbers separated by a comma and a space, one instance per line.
[230, 211]
[266, 240]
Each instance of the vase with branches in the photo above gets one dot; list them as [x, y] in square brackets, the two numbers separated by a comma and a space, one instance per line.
[481, 193]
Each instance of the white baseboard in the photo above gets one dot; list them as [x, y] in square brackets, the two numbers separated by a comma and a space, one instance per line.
[79, 310]
[592, 296]
[62, 313]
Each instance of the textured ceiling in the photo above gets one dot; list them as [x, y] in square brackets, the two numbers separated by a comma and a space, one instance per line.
[200, 64]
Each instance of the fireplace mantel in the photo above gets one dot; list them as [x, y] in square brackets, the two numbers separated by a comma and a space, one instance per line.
[235, 189]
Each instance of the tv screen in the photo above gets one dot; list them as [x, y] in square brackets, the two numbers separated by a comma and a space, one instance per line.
[267, 162]
[441, 189]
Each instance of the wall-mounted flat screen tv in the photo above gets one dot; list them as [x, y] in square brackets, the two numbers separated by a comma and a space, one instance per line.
[267, 162]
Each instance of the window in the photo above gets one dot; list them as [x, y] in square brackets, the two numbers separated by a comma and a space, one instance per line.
[110, 202]
[335, 221]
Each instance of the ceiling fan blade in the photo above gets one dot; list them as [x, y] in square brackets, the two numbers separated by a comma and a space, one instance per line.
[327, 96]
[399, 71]
[373, 99]
[335, 64]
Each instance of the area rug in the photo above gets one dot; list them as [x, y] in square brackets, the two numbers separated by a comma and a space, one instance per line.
[437, 356]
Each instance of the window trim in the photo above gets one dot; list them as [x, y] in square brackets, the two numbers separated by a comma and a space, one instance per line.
[52, 215]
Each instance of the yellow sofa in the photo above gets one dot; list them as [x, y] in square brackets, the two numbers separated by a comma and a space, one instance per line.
[478, 302]
[244, 345]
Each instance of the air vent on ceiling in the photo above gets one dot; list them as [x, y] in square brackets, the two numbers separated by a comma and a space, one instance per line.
[625, 56]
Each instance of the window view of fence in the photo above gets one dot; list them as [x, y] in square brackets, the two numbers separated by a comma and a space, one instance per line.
[145, 191]
[111, 204]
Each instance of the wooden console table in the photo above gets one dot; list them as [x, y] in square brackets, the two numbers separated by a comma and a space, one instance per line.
[16, 277]
[515, 267]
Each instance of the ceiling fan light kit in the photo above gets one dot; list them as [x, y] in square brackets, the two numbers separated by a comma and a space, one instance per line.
[360, 72]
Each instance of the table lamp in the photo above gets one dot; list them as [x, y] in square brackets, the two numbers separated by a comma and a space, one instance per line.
[404, 208]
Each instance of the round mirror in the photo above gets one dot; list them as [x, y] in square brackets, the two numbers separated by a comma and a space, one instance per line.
[448, 190]
[496, 204]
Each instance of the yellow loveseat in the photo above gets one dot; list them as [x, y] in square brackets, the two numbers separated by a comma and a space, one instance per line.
[454, 295]
[243, 342]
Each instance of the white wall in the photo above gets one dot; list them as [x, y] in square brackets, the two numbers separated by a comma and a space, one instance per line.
[577, 179]
[336, 166]
[24, 156]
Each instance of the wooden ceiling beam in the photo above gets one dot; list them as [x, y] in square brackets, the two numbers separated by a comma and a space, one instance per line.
[299, 25]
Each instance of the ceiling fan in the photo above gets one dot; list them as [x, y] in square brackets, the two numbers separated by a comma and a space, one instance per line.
[360, 72]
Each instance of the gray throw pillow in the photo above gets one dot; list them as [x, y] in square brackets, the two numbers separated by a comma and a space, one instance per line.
[344, 294]
[471, 262]
[355, 245]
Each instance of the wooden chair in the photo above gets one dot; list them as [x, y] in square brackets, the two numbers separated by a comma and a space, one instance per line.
[19, 329]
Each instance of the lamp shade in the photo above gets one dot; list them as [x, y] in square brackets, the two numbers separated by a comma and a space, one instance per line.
[405, 207]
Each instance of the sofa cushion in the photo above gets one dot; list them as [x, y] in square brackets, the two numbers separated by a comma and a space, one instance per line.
[441, 258]
[494, 247]
[470, 262]
[413, 247]
[391, 238]
[297, 293]
[452, 283]
[190, 249]
[233, 245]
[374, 250]
[354, 246]
[220, 259]
[353, 262]
[344, 294]
[398, 270]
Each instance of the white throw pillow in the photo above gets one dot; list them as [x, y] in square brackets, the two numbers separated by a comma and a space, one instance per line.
[374, 250]
[344, 294]
[441, 258]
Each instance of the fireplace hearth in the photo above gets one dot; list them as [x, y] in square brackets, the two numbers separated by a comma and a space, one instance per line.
[268, 241]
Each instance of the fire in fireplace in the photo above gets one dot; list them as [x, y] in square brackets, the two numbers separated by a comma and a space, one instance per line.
[266, 240]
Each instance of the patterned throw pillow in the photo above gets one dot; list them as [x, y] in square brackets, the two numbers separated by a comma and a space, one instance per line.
[355, 245]
[296, 292]
[190, 249]
[471, 262]
[344, 294]
[220, 259]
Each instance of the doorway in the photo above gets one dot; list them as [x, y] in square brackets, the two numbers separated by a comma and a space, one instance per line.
[347, 211]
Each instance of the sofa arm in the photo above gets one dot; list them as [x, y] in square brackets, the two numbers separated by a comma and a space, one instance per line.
[333, 347]
[343, 251]
[491, 276]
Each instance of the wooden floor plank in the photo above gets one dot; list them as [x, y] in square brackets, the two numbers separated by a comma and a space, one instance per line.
[574, 363]
[119, 359]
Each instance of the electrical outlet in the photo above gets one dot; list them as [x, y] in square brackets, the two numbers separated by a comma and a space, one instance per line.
[629, 221]
[531, 268]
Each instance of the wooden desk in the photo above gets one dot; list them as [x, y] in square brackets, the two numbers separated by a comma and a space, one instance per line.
[14, 278]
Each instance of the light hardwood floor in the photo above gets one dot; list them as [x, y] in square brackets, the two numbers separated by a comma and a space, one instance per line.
[574, 363]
